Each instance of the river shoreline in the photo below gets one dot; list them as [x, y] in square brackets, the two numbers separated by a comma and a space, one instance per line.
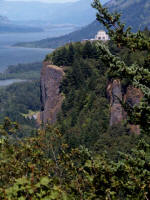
[8, 82]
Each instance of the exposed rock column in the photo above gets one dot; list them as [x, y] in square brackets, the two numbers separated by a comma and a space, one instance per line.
[132, 96]
[51, 99]
[115, 94]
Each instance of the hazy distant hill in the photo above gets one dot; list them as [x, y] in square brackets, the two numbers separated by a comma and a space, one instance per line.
[3, 19]
[84, 33]
[135, 13]
[7, 26]
[11, 28]
[78, 13]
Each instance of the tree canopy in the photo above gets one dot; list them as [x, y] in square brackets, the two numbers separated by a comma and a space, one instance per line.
[76, 158]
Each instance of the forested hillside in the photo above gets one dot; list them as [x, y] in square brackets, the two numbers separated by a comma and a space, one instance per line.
[86, 108]
[26, 71]
[82, 156]
[135, 13]
[21, 101]
[57, 161]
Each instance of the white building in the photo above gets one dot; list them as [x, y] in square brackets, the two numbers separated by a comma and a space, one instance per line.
[102, 35]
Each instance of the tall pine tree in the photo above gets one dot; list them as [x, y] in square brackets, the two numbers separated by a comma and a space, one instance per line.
[139, 76]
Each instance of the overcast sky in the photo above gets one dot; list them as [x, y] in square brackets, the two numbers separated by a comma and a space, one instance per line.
[53, 1]
[48, 1]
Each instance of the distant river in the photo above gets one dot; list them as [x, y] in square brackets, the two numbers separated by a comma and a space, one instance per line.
[10, 81]
[15, 55]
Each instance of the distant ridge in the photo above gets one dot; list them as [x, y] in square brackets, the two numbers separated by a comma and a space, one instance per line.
[7, 26]
[11, 28]
[84, 33]
[77, 12]
[135, 13]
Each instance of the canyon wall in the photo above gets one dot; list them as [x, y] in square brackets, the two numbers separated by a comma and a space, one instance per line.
[51, 99]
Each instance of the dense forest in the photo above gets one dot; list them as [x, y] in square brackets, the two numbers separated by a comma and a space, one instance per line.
[85, 115]
[21, 101]
[22, 71]
[81, 156]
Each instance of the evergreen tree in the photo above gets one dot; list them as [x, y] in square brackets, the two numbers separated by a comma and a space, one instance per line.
[87, 50]
[139, 76]
[70, 54]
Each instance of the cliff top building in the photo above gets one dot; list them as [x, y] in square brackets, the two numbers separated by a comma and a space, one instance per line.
[102, 35]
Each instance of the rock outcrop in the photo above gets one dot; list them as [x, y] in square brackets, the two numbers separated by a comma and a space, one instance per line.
[51, 99]
[115, 94]
[132, 96]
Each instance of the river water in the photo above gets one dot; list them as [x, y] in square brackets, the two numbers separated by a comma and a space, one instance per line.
[14, 55]
[10, 81]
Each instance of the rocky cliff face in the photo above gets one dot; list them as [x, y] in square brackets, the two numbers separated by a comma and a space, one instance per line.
[132, 96]
[51, 99]
[115, 93]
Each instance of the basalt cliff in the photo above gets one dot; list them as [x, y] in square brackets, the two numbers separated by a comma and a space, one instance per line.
[51, 99]
[132, 96]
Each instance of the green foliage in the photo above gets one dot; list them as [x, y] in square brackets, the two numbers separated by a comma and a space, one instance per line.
[139, 76]
[85, 109]
[64, 56]
[118, 138]
[53, 165]
[8, 127]
[17, 100]
[22, 71]
[43, 168]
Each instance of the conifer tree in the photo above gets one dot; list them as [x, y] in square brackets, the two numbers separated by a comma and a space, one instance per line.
[87, 50]
[70, 54]
[139, 76]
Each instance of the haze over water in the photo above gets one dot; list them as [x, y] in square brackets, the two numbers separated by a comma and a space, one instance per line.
[14, 55]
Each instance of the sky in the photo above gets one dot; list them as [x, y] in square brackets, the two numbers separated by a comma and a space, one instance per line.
[52, 1]
[27, 11]
[48, 1]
